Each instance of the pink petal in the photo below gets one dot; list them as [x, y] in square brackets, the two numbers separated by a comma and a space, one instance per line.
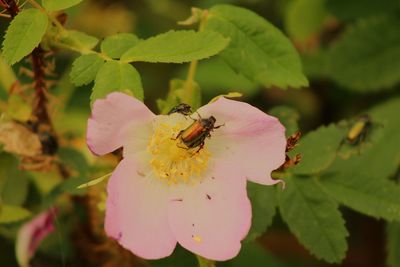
[136, 212]
[249, 140]
[210, 219]
[31, 235]
[112, 119]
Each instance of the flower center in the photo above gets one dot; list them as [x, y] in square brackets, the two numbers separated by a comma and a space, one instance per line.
[172, 160]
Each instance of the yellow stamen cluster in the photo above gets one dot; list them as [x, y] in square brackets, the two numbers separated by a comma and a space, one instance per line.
[171, 160]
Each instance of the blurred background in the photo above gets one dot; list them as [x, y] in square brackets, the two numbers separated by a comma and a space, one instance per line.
[312, 25]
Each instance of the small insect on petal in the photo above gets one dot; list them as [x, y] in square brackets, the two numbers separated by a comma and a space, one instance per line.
[182, 108]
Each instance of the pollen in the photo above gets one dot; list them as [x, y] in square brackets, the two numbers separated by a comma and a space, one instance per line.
[171, 160]
[197, 238]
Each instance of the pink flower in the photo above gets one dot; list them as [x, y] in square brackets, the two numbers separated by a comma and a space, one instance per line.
[31, 234]
[161, 193]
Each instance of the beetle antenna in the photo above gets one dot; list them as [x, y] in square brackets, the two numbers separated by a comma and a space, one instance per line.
[219, 126]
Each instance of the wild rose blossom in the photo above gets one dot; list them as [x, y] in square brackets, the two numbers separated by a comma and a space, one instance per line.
[161, 193]
[31, 234]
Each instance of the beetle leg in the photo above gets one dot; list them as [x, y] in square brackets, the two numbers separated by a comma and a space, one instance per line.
[201, 146]
[179, 134]
[183, 147]
[198, 115]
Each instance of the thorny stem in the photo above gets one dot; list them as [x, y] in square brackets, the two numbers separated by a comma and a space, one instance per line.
[39, 107]
[11, 6]
[37, 55]
[5, 16]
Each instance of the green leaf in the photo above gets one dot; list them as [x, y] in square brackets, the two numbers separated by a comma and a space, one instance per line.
[305, 18]
[85, 68]
[116, 76]
[24, 34]
[180, 92]
[393, 244]
[355, 9]
[315, 64]
[383, 158]
[367, 57]
[116, 45]
[228, 95]
[253, 255]
[364, 193]
[215, 77]
[314, 219]
[74, 159]
[288, 116]
[179, 258]
[69, 186]
[177, 47]
[257, 49]
[8, 77]
[78, 40]
[11, 214]
[54, 5]
[18, 109]
[263, 203]
[13, 181]
[318, 149]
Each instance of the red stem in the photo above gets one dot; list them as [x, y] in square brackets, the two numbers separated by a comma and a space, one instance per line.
[38, 65]
[11, 6]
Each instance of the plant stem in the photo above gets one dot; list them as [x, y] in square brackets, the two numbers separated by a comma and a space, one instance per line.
[36, 5]
[191, 72]
[61, 28]
[194, 63]
[203, 262]
[53, 20]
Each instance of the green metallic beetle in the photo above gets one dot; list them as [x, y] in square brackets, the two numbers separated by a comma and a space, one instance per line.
[359, 130]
